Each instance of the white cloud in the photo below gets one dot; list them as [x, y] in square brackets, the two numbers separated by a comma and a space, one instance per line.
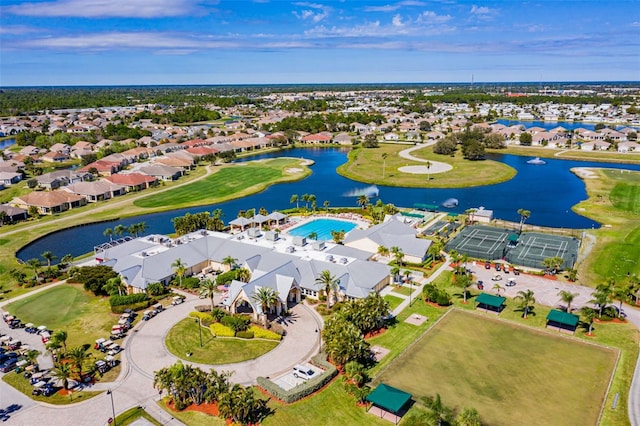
[395, 6]
[17, 29]
[397, 21]
[480, 10]
[635, 24]
[316, 13]
[106, 8]
[429, 17]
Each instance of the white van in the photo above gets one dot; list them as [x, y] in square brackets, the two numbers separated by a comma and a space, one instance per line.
[302, 372]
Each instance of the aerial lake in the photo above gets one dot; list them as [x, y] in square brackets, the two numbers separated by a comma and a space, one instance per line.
[548, 191]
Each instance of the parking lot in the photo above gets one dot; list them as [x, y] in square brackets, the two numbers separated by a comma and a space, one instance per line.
[289, 381]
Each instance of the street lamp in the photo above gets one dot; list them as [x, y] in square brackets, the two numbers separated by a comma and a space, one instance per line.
[113, 409]
[411, 291]
[199, 330]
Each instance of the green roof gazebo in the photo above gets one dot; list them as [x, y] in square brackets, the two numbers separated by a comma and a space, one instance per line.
[563, 321]
[389, 400]
[489, 302]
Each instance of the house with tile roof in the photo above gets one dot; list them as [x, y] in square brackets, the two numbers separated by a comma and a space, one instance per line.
[99, 190]
[49, 202]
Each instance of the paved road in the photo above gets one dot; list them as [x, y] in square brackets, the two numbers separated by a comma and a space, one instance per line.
[144, 353]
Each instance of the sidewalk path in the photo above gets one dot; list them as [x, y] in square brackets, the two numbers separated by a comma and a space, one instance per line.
[434, 166]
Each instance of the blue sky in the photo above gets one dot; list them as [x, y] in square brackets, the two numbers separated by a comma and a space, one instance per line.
[109, 42]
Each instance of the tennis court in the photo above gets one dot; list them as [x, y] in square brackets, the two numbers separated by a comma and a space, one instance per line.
[533, 248]
[481, 242]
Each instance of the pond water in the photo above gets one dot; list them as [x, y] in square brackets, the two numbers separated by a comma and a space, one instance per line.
[548, 191]
[548, 125]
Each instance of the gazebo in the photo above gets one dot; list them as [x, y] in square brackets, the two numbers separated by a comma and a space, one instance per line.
[277, 217]
[240, 222]
[259, 219]
[387, 400]
[490, 303]
[562, 321]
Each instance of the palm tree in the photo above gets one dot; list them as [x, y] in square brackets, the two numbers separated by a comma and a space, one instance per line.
[312, 200]
[526, 297]
[407, 275]
[208, 290]
[243, 274]
[313, 236]
[567, 297]
[398, 255]
[395, 272]
[60, 337]
[524, 215]
[600, 297]
[463, 281]
[34, 264]
[305, 199]
[589, 314]
[119, 230]
[438, 413]
[63, 372]
[265, 297]
[497, 287]
[428, 166]
[329, 284]
[384, 162]
[326, 205]
[108, 233]
[295, 199]
[79, 357]
[179, 268]
[132, 230]
[32, 356]
[383, 251]
[471, 214]
[49, 257]
[363, 200]
[142, 228]
[230, 261]
[66, 260]
[114, 285]
[469, 417]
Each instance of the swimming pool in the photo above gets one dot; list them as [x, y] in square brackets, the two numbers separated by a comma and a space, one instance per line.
[322, 227]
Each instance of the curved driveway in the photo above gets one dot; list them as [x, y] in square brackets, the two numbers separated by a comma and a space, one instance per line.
[144, 353]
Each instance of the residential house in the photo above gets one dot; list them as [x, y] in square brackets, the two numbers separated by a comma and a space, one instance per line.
[321, 138]
[133, 181]
[99, 190]
[628, 147]
[55, 157]
[12, 214]
[49, 202]
[161, 172]
[10, 178]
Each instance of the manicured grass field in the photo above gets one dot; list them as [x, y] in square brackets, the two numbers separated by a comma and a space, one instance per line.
[365, 165]
[393, 301]
[404, 290]
[511, 374]
[332, 406]
[134, 414]
[626, 196]
[184, 338]
[232, 181]
[67, 307]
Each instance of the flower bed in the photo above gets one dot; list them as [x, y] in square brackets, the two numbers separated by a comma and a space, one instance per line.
[220, 330]
[261, 333]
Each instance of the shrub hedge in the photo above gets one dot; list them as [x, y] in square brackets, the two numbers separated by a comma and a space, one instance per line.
[304, 389]
[134, 306]
[245, 334]
[220, 330]
[128, 299]
[261, 333]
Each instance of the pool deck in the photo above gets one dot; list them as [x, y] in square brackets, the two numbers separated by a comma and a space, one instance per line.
[296, 221]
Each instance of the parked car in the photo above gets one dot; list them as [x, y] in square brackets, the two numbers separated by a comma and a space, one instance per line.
[14, 344]
[498, 267]
[511, 282]
[177, 300]
[8, 365]
[496, 277]
[487, 265]
[480, 285]
[8, 355]
[158, 307]
[302, 372]
[516, 271]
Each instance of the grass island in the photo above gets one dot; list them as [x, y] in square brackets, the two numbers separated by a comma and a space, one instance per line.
[368, 165]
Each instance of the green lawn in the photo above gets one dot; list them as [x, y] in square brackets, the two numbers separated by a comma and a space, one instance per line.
[232, 181]
[404, 290]
[193, 418]
[506, 371]
[332, 406]
[23, 385]
[68, 307]
[184, 338]
[365, 165]
[134, 414]
[394, 301]
[626, 196]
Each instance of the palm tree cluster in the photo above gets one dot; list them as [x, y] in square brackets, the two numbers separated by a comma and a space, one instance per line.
[188, 385]
[196, 221]
[329, 284]
[135, 230]
[344, 332]
[266, 297]
[380, 210]
[527, 299]
[438, 414]
[70, 364]
[306, 199]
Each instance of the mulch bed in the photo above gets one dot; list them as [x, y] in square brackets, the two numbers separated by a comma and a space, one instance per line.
[375, 333]
[210, 409]
[614, 320]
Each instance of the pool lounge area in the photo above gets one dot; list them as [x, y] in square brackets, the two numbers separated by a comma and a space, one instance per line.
[322, 227]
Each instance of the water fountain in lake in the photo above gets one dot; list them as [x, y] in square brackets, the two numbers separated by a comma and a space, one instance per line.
[536, 160]
[370, 191]
[450, 203]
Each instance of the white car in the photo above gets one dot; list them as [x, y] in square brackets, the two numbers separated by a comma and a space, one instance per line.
[302, 372]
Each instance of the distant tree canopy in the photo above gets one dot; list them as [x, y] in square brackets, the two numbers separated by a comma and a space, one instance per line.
[192, 114]
[332, 122]
[118, 132]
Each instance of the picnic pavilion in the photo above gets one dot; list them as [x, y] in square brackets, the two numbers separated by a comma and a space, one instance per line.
[490, 303]
[389, 403]
[562, 321]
